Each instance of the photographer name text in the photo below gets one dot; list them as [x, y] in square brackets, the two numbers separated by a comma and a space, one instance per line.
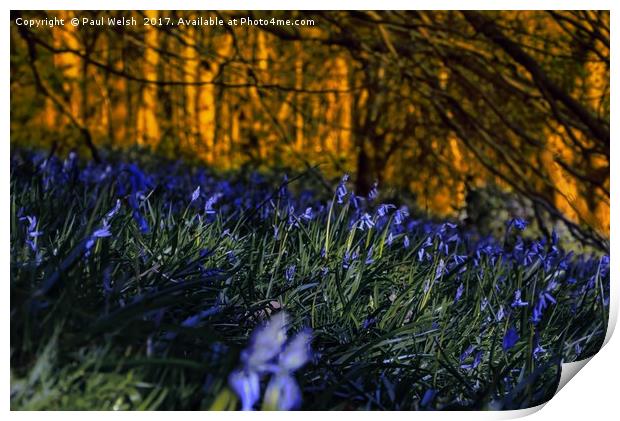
[159, 21]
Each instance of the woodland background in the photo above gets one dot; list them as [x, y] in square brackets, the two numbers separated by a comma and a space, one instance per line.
[443, 106]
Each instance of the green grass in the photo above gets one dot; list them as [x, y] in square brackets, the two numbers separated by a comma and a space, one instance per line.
[77, 345]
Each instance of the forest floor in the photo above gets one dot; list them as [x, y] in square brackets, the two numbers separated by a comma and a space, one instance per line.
[160, 286]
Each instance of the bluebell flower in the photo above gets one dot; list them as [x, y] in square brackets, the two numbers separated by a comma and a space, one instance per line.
[500, 314]
[373, 193]
[113, 211]
[276, 232]
[194, 320]
[578, 349]
[292, 219]
[510, 339]
[484, 303]
[368, 322]
[538, 349]
[406, 242]
[459, 293]
[421, 254]
[102, 232]
[296, 353]
[428, 397]
[211, 201]
[289, 273]
[400, 215]
[544, 300]
[140, 220]
[517, 302]
[341, 190]
[282, 393]
[32, 226]
[268, 355]
[384, 209]
[266, 342]
[441, 267]
[246, 385]
[518, 223]
[31, 231]
[195, 194]
[365, 221]
[476, 361]
[466, 353]
[308, 214]
[348, 258]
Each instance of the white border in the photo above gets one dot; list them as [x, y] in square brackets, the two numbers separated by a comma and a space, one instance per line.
[593, 395]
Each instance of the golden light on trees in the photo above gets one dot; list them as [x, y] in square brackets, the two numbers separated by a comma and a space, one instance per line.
[435, 102]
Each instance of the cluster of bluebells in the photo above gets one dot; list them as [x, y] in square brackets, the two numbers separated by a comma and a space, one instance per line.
[453, 260]
[270, 355]
[442, 247]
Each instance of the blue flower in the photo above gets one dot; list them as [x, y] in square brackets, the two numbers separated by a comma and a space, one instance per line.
[421, 254]
[268, 355]
[400, 215]
[348, 258]
[32, 226]
[428, 397]
[544, 299]
[365, 221]
[211, 202]
[368, 322]
[500, 314]
[266, 342]
[341, 190]
[196, 194]
[112, 211]
[308, 215]
[246, 385]
[276, 232]
[384, 208]
[466, 353]
[296, 353]
[518, 223]
[510, 339]
[441, 268]
[31, 231]
[406, 242]
[538, 349]
[476, 361]
[517, 302]
[373, 193]
[282, 393]
[102, 232]
[289, 273]
[459, 292]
